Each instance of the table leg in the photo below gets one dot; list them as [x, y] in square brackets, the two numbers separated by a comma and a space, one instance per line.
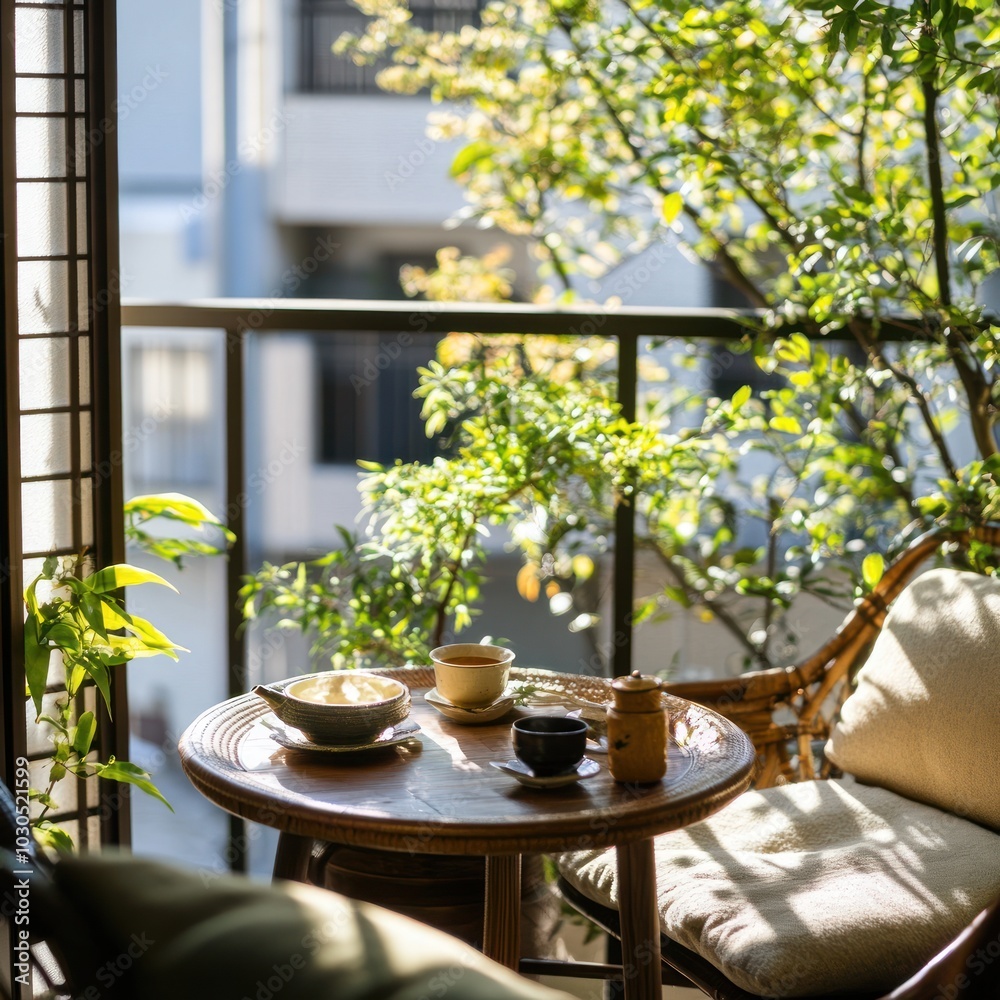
[291, 859]
[640, 921]
[502, 921]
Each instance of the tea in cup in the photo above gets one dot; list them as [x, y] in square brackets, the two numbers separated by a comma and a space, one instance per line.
[471, 674]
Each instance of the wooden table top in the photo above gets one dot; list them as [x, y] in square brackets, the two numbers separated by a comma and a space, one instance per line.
[439, 794]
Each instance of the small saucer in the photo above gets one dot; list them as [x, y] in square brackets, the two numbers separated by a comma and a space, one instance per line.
[469, 716]
[292, 739]
[587, 768]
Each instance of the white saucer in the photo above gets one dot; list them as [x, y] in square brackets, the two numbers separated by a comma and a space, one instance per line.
[293, 739]
[469, 716]
[587, 768]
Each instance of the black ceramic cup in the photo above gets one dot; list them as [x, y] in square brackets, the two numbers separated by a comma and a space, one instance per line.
[549, 744]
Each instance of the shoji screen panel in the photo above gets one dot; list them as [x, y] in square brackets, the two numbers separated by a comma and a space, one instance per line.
[62, 376]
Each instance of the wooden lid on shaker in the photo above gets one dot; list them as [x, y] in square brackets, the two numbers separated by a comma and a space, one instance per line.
[636, 693]
[635, 682]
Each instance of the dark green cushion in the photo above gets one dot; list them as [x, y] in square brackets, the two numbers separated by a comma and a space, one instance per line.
[177, 933]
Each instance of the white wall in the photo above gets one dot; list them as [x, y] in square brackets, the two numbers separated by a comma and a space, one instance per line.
[362, 160]
[160, 93]
[166, 252]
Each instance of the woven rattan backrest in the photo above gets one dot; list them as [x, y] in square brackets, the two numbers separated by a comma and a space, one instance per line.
[788, 711]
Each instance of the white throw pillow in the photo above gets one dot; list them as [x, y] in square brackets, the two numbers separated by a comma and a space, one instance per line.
[924, 720]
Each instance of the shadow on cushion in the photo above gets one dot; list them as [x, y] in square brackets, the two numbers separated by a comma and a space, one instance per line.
[814, 888]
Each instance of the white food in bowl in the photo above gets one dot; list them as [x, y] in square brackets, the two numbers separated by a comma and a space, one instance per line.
[345, 689]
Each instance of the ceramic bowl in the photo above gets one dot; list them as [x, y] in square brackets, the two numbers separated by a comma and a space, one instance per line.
[341, 707]
[549, 744]
[471, 674]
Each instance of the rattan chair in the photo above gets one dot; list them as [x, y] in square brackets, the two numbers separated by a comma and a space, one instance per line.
[788, 712]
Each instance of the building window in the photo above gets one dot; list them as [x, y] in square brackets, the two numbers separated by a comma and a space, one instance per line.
[324, 21]
[171, 441]
[366, 404]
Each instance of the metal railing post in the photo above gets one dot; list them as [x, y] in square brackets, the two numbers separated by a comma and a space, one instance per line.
[236, 565]
[624, 556]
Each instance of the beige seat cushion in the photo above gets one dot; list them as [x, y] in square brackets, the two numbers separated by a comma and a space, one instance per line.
[179, 935]
[925, 717]
[814, 888]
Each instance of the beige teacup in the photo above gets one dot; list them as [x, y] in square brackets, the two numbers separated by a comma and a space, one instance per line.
[471, 674]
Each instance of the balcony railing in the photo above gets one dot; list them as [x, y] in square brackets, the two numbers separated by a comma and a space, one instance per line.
[322, 22]
[240, 320]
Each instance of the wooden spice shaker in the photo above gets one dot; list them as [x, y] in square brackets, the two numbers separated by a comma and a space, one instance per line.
[637, 730]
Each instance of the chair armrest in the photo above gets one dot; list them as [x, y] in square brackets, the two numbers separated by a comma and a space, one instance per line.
[754, 701]
[750, 692]
[751, 700]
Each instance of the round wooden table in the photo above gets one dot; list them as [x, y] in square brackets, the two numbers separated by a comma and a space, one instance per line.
[438, 794]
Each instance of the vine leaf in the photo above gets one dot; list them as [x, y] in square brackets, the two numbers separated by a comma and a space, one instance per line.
[90, 605]
[131, 774]
[36, 662]
[121, 575]
[84, 735]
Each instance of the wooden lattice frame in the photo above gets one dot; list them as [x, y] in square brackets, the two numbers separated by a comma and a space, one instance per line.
[813, 689]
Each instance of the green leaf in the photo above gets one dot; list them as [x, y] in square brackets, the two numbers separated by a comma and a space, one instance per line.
[673, 203]
[122, 575]
[84, 734]
[470, 155]
[835, 29]
[31, 599]
[55, 837]
[91, 606]
[65, 636]
[786, 425]
[851, 29]
[36, 663]
[174, 506]
[150, 634]
[677, 594]
[741, 396]
[872, 568]
[129, 647]
[115, 616]
[99, 673]
[42, 798]
[174, 550]
[131, 774]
